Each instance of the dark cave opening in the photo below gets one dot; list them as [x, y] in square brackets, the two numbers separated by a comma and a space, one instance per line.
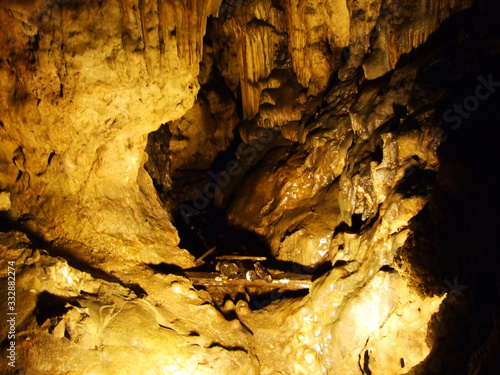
[209, 228]
[50, 306]
[202, 222]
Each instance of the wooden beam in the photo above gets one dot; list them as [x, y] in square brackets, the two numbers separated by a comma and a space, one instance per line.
[287, 281]
[241, 257]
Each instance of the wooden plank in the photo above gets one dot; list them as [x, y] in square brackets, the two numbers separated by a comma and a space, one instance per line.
[200, 261]
[281, 281]
[241, 257]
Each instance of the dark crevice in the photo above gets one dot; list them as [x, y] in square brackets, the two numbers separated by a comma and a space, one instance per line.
[263, 300]
[228, 348]
[50, 306]
[366, 368]
[356, 225]
[52, 154]
[387, 269]
[378, 155]
[210, 228]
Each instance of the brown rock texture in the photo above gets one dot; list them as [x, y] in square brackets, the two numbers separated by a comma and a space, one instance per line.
[83, 83]
[280, 53]
[335, 118]
[88, 325]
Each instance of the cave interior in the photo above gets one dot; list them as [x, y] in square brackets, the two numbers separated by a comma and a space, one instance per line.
[249, 187]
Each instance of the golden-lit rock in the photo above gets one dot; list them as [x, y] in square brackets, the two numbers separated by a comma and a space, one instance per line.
[317, 31]
[287, 196]
[83, 83]
[403, 26]
[5, 203]
[328, 331]
[271, 196]
[74, 322]
[402, 342]
[272, 54]
[113, 112]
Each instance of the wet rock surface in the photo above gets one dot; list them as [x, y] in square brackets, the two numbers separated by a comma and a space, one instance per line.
[349, 141]
[71, 321]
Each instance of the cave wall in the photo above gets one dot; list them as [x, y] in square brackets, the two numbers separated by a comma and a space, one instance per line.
[71, 322]
[312, 40]
[83, 83]
[357, 106]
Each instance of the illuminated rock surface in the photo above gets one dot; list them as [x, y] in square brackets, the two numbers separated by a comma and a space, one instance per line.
[82, 86]
[90, 325]
[324, 129]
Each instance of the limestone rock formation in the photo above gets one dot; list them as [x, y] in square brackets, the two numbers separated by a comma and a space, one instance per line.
[90, 325]
[350, 141]
[83, 84]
